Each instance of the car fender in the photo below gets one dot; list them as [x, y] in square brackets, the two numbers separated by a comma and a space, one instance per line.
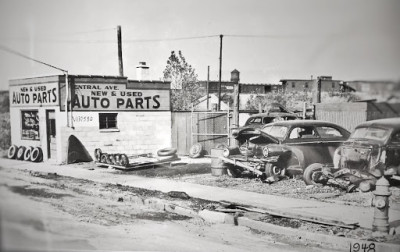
[296, 159]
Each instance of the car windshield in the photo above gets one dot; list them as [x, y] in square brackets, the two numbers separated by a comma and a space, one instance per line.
[370, 133]
[276, 131]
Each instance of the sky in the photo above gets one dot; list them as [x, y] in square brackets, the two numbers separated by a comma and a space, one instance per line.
[266, 40]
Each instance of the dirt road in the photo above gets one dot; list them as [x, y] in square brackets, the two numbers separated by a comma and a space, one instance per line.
[50, 212]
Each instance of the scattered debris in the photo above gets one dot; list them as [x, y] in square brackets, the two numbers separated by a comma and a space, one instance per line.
[120, 199]
[179, 195]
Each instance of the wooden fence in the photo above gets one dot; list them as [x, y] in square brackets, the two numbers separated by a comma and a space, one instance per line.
[207, 128]
[349, 115]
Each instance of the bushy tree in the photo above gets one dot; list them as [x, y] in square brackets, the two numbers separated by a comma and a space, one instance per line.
[184, 83]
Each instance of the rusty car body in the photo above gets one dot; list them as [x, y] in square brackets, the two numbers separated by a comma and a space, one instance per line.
[284, 148]
[372, 150]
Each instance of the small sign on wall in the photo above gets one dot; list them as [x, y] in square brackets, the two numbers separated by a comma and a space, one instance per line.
[88, 119]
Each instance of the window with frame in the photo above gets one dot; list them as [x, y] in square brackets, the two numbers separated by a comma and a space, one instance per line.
[293, 84]
[329, 132]
[108, 120]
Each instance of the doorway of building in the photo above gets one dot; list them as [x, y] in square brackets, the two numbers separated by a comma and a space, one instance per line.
[51, 134]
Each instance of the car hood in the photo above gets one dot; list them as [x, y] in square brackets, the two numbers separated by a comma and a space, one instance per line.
[254, 135]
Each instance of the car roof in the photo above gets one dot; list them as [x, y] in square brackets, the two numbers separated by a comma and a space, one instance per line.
[303, 123]
[388, 123]
[273, 114]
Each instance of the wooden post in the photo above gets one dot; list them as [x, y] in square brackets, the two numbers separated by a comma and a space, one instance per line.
[317, 91]
[120, 63]
[207, 88]
[236, 103]
[220, 71]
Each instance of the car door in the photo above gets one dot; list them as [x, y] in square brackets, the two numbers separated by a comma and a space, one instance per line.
[315, 144]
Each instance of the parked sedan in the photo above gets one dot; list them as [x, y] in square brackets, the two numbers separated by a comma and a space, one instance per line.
[372, 150]
[285, 147]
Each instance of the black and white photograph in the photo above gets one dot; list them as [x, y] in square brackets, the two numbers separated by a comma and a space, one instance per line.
[187, 125]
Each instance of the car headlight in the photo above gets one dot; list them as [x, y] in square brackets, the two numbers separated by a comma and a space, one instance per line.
[265, 151]
[226, 152]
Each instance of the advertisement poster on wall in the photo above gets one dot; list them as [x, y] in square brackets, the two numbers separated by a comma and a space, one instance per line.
[30, 125]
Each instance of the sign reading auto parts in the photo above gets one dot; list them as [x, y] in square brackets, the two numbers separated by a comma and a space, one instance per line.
[118, 97]
[34, 95]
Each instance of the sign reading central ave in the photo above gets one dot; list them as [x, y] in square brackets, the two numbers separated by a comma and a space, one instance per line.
[117, 97]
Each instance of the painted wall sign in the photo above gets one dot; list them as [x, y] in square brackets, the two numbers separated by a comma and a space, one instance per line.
[34, 95]
[118, 97]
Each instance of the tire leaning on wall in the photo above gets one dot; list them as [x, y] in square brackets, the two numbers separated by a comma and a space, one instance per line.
[12, 152]
[28, 153]
[37, 154]
[21, 152]
[97, 154]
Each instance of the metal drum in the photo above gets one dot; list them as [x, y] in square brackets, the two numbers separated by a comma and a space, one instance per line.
[218, 167]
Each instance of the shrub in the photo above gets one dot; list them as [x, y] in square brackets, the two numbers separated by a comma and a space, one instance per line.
[5, 131]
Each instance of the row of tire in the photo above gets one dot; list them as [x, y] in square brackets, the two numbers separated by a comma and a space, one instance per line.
[34, 154]
[123, 159]
[113, 159]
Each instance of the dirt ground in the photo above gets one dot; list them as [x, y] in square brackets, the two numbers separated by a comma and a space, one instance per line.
[51, 212]
[198, 171]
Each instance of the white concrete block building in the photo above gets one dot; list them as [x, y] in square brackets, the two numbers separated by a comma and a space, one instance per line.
[114, 114]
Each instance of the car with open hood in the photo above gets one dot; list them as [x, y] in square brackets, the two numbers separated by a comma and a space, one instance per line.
[284, 147]
[372, 150]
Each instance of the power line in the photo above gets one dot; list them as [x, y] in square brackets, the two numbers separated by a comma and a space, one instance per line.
[266, 36]
[6, 49]
[170, 39]
[124, 40]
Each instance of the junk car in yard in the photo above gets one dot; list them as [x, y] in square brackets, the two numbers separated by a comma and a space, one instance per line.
[285, 147]
[275, 113]
[372, 150]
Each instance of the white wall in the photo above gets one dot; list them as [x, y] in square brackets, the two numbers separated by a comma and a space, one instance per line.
[138, 132]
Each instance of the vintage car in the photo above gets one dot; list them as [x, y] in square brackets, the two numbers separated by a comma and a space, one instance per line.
[372, 150]
[275, 113]
[285, 147]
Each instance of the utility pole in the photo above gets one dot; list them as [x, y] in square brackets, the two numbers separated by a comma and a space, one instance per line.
[120, 63]
[220, 70]
[207, 88]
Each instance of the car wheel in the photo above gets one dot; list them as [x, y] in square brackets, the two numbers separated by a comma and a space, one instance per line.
[166, 152]
[27, 154]
[21, 152]
[12, 152]
[37, 154]
[312, 173]
[274, 170]
[97, 154]
[124, 161]
[103, 158]
[196, 151]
